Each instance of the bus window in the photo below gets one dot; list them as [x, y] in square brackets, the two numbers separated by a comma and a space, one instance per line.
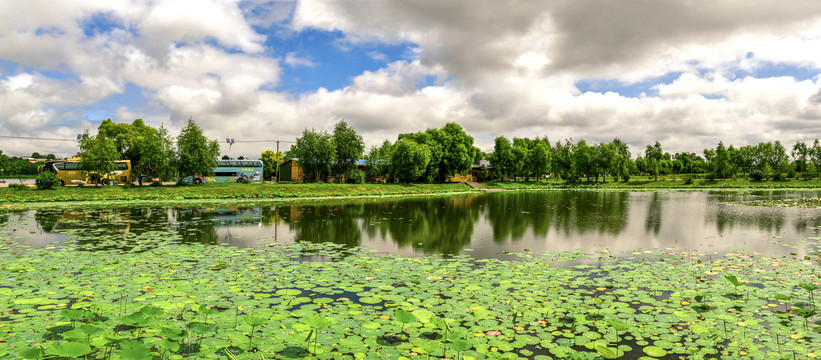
[247, 164]
[72, 166]
[225, 173]
[235, 163]
[122, 166]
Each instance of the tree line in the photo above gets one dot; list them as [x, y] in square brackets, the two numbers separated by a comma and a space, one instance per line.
[435, 154]
[430, 156]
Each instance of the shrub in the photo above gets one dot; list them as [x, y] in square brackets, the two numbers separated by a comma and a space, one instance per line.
[47, 180]
[757, 175]
[688, 180]
[355, 176]
[155, 183]
[626, 177]
[180, 182]
[244, 181]
[777, 175]
[18, 186]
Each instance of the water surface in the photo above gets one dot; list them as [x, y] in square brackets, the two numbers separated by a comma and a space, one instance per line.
[483, 225]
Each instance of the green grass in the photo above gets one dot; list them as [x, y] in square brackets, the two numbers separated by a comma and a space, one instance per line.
[290, 191]
[220, 191]
[647, 182]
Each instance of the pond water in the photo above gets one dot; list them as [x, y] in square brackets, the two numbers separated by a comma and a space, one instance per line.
[482, 225]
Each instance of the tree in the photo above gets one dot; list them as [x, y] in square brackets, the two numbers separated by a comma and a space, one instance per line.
[583, 160]
[621, 159]
[452, 150]
[654, 156]
[721, 161]
[150, 150]
[801, 156]
[4, 163]
[316, 153]
[196, 153]
[378, 161]
[270, 162]
[563, 159]
[156, 155]
[349, 147]
[539, 159]
[409, 160]
[97, 156]
[502, 157]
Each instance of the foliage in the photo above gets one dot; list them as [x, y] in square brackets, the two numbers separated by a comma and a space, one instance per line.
[47, 180]
[97, 156]
[654, 155]
[349, 146]
[270, 161]
[196, 153]
[409, 160]
[17, 166]
[165, 306]
[378, 161]
[502, 157]
[355, 176]
[316, 152]
[757, 175]
[4, 163]
[451, 151]
[150, 150]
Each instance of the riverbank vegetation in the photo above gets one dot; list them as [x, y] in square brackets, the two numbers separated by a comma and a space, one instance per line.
[22, 194]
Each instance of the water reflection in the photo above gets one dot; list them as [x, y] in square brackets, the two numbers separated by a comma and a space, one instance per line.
[488, 224]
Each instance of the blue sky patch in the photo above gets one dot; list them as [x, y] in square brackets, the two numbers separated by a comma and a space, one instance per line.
[335, 61]
[646, 87]
[770, 69]
[101, 24]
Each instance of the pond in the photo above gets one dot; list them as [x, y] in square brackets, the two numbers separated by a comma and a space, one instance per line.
[484, 226]
[517, 275]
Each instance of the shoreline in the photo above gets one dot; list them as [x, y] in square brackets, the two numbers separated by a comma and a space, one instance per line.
[30, 198]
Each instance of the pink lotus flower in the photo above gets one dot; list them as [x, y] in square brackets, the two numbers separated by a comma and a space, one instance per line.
[493, 333]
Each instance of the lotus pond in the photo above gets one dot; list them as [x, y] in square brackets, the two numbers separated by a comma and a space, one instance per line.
[536, 275]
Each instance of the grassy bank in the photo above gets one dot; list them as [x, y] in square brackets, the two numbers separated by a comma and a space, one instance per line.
[17, 195]
[643, 182]
[220, 191]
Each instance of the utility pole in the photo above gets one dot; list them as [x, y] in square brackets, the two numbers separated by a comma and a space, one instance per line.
[277, 160]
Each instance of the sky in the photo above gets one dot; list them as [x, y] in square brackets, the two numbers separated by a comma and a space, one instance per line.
[685, 73]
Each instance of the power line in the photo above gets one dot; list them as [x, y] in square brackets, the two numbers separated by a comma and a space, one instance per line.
[266, 141]
[57, 139]
[34, 138]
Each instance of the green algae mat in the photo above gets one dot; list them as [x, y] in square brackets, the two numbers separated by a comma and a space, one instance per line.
[149, 296]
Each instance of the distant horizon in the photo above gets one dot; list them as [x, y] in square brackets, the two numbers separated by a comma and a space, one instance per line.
[685, 74]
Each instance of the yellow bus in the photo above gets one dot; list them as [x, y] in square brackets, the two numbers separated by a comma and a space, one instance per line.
[68, 171]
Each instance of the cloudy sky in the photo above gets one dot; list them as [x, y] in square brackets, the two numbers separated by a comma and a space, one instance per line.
[686, 73]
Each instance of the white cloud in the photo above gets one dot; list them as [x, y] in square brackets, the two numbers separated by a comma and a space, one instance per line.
[293, 60]
[496, 68]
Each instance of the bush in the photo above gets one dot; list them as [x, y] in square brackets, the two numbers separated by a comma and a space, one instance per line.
[244, 181]
[757, 175]
[180, 182]
[18, 186]
[778, 175]
[688, 180]
[47, 180]
[155, 183]
[355, 176]
[626, 177]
